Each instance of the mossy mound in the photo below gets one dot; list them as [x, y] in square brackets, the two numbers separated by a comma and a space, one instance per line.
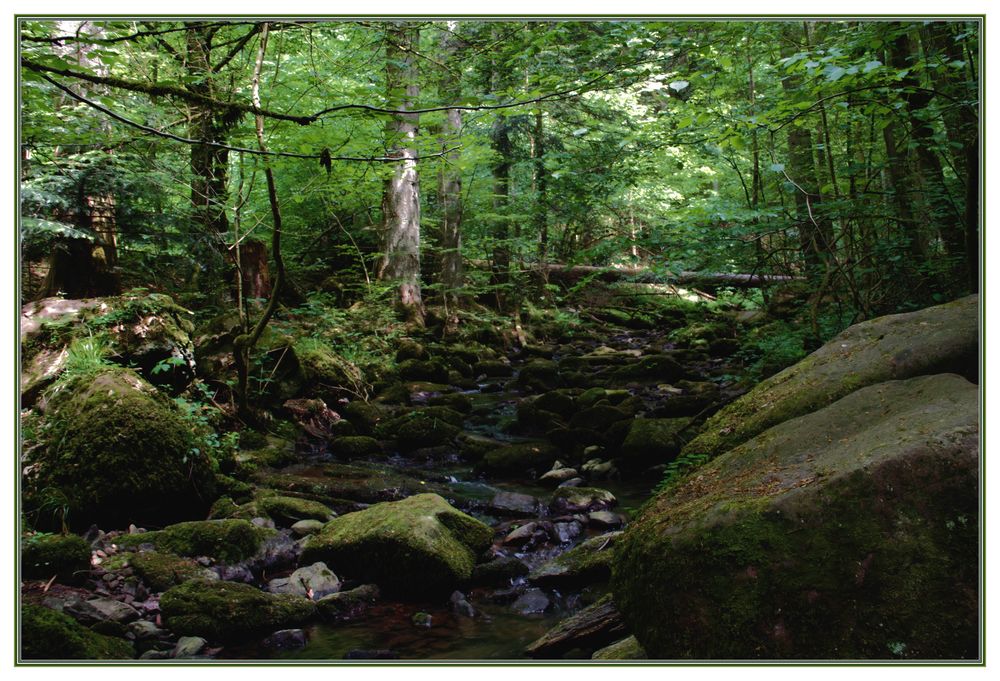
[65, 556]
[519, 459]
[356, 447]
[325, 373]
[588, 562]
[432, 370]
[230, 540]
[412, 547]
[357, 482]
[164, 570]
[226, 611]
[50, 635]
[117, 451]
[362, 415]
[651, 368]
[650, 441]
[934, 340]
[538, 376]
[427, 427]
[849, 533]
[286, 511]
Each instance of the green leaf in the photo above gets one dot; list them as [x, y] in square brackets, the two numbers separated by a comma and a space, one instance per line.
[833, 72]
[871, 66]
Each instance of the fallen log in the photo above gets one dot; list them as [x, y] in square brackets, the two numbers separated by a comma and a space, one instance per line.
[570, 274]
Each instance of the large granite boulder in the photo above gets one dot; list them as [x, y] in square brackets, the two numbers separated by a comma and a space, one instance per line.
[411, 548]
[938, 339]
[851, 532]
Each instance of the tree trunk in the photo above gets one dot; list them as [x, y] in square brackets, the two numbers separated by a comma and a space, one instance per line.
[450, 179]
[501, 197]
[541, 214]
[401, 196]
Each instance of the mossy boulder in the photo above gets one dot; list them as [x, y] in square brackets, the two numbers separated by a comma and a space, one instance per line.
[229, 540]
[600, 417]
[356, 447]
[117, 451]
[849, 533]
[938, 339]
[650, 441]
[326, 374]
[586, 563]
[519, 459]
[581, 499]
[363, 415]
[410, 349]
[50, 635]
[650, 368]
[286, 511]
[432, 370]
[227, 611]
[164, 570]
[493, 368]
[65, 556]
[412, 547]
[427, 427]
[538, 376]
[347, 605]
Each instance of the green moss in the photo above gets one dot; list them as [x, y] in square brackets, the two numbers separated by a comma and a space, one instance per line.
[356, 447]
[411, 547]
[227, 540]
[538, 376]
[66, 556]
[363, 415]
[325, 373]
[227, 611]
[651, 368]
[50, 635]
[119, 452]
[519, 459]
[432, 370]
[626, 649]
[427, 427]
[287, 511]
[164, 570]
[651, 441]
[588, 562]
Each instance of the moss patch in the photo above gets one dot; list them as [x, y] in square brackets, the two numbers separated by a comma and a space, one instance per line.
[50, 635]
[67, 557]
[229, 540]
[163, 570]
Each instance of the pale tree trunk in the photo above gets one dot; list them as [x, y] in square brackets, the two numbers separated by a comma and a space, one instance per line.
[450, 179]
[401, 198]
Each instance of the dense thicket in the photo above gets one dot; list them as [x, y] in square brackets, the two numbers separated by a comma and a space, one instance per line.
[846, 152]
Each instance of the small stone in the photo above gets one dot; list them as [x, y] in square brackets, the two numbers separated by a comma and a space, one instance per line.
[605, 520]
[262, 522]
[461, 606]
[101, 609]
[306, 527]
[141, 630]
[188, 646]
[156, 655]
[521, 535]
[558, 475]
[567, 532]
[513, 503]
[313, 582]
[286, 639]
[203, 561]
[421, 619]
[572, 482]
[532, 601]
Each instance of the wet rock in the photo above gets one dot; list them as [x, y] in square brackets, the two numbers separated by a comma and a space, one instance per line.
[590, 629]
[347, 605]
[304, 528]
[515, 504]
[568, 531]
[895, 464]
[605, 520]
[418, 545]
[587, 563]
[557, 475]
[596, 469]
[314, 582]
[461, 606]
[50, 635]
[581, 500]
[142, 630]
[230, 611]
[286, 639]
[572, 482]
[531, 602]
[188, 646]
[521, 535]
[100, 610]
[422, 619]
[498, 572]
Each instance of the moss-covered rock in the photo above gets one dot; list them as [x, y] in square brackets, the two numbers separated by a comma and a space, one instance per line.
[626, 649]
[649, 369]
[432, 370]
[519, 459]
[581, 499]
[538, 376]
[649, 442]
[847, 533]
[937, 339]
[226, 611]
[50, 635]
[286, 511]
[590, 629]
[355, 447]
[117, 451]
[412, 547]
[347, 605]
[363, 415]
[427, 427]
[410, 349]
[228, 540]
[164, 570]
[493, 368]
[65, 556]
[600, 417]
[588, 562]
[325, 373]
